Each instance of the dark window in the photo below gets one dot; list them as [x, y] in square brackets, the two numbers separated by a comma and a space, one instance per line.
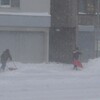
[5, 2]
[91, 6]
[87, 6]
[15, 3]
[10, 3]
[82, 6]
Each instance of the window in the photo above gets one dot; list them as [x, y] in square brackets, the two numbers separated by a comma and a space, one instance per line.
[5, 3]
[82, 6]
[87, 6]
[91, 6]
[15, 3]
[9, 3]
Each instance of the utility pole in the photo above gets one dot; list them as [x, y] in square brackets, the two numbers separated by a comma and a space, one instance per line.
[97, 28]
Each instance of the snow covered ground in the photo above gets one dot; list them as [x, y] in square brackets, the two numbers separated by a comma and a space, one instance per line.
[51, 82]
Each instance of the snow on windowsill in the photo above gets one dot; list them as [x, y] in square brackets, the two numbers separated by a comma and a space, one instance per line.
[25, 13]
[96, 13]
[81, 13]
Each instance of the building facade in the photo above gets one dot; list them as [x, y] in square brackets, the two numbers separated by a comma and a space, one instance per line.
[24, 29]
[63, 30]
[74, 23]
[88, 35]
[48, 30]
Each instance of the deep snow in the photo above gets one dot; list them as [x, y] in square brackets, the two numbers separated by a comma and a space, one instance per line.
[51, 82]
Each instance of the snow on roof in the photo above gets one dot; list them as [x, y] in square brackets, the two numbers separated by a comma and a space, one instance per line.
[25, 13]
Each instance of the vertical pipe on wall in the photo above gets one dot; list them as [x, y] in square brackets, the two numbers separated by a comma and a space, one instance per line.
[97, 29]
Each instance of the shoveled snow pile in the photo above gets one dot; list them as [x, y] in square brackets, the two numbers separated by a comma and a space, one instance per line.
[53, 81]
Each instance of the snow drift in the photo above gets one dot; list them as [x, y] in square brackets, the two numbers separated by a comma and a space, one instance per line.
[53, 81]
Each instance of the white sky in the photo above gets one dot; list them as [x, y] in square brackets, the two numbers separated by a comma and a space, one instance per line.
[51, 82]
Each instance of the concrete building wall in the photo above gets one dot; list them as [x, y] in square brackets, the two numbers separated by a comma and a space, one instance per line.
[63, 30]
[25, 30]
[36, 6]
[88, 35]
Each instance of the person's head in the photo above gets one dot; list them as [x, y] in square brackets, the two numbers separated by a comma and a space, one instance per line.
[77, 48]
[7, 50]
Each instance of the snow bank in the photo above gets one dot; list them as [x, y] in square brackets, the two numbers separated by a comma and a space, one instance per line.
[53, 81]
[93, 66]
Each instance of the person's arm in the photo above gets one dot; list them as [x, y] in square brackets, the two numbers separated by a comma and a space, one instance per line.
[10, 57]
[80, 53]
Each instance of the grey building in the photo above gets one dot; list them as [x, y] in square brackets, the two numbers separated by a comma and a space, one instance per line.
[39, 31]
[24, 29]
[88, 35]
[63, 30]
[74, 22]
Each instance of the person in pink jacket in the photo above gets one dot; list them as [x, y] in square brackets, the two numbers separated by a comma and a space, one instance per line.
[76, 61]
